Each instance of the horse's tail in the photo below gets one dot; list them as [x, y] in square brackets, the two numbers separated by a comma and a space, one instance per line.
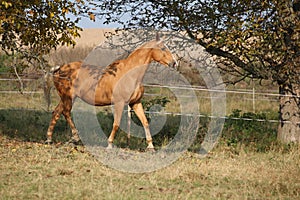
[48, 79]
[47, 88]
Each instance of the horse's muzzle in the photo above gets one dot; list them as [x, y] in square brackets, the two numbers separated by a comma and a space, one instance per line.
[173, 64]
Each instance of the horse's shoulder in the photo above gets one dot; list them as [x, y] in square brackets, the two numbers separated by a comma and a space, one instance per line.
[113, 68]
[116, 64]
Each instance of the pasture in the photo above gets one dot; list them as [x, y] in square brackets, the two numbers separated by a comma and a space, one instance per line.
[31, 170]
[247, 162]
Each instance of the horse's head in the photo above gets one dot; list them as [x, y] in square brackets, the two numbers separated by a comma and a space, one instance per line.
[161, 53]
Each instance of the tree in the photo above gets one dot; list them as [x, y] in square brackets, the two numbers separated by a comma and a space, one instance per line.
[30, 29]
[257, 39]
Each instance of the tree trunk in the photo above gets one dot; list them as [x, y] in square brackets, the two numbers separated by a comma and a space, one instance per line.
[289, 113]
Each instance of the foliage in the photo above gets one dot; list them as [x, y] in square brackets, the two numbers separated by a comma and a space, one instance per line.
[3, 59]
[30, 29]
[161, 101]
[158, 103]
[251, 130]
[257, 38]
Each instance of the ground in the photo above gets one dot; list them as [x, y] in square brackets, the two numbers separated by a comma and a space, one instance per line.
[36, 171]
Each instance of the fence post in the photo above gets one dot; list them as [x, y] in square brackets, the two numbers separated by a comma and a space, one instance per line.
[253, 95]
[128, 125]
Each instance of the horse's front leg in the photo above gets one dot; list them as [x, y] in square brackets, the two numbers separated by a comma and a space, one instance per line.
[117, 118]
[139, 111]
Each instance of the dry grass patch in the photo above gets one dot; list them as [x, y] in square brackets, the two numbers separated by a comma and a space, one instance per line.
[38, 171]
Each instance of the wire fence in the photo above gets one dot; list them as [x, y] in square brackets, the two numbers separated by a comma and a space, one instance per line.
[247, 100]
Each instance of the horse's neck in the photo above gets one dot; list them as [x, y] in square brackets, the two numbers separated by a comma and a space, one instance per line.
[139, 58]
[138, 63]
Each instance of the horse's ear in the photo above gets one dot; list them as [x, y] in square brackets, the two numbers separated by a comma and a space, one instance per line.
[157, 37]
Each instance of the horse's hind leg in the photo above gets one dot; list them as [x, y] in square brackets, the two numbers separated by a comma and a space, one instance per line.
[67, 107]
[55, 116]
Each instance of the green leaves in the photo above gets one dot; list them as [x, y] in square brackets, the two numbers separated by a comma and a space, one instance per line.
[30, 29]
[6, 4]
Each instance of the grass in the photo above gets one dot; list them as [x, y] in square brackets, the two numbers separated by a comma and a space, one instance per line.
[246, 164]
[31, 170]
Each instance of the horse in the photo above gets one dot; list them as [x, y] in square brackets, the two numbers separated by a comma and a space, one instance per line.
[118, 84]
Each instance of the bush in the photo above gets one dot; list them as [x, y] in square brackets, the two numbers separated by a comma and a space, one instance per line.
[251, 130]
[3, 66]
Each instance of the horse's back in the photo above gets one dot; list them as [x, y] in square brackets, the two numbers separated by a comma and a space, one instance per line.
[87, 79]
[70, 66]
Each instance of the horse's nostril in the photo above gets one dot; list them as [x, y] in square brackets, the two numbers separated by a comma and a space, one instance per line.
[173, 65]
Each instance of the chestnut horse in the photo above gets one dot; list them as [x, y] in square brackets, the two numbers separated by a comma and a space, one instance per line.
[118, 84]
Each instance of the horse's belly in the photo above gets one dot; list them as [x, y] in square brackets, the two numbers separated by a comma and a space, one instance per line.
[136, 95]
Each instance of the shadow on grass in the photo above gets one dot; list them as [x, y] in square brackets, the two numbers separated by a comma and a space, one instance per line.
[31, 125]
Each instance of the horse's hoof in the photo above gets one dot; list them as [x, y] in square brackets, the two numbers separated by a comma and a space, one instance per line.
[150, 150]
[110, 146]
[74, 141]
[75, 138]
[71, 143]
[48, 142]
